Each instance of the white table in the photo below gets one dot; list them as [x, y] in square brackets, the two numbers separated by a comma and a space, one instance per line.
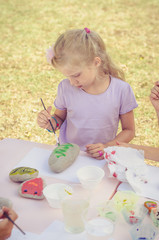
[36, 215]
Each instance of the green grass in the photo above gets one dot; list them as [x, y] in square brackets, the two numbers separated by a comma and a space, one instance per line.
[28, 27]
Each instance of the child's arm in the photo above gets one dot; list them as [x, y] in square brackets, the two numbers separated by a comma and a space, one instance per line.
[154, 97]
[128, 129]
[5, 225]
[126, 135]
[151, 153]
[45, 115]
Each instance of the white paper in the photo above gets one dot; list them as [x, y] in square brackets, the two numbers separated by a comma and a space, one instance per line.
[149, 189]
[53, 232]
[56, 231]
[38, 158]
[17, 235]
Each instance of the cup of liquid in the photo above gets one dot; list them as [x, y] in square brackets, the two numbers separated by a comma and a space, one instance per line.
[97, 227]
[72, 209]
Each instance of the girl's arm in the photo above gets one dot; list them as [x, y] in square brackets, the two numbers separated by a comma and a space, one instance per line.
[60, 116]
[150, 153]
[126, 135]
[128, 129]
[45, 115]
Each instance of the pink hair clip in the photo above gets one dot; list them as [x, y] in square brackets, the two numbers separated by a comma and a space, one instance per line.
[50, 54]
[87, 30]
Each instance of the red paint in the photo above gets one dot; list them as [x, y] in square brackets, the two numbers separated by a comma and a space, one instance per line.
[114, 174]
[113, 152]
[133, 219]
[33, 187]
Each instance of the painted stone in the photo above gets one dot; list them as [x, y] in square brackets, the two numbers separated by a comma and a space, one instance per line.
[21, 174]
[5, 202]
[63, 156]
[32, 188]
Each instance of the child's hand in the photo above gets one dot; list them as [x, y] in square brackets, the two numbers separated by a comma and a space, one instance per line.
[95, 150]
[154, 96]
[5, 225]
[43, 118]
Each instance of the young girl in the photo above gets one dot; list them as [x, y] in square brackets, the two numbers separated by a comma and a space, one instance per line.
[92, 98]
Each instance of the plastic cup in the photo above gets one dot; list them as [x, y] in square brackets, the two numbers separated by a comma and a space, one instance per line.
[72, 212]
[143, 232]
[97, 227]
[90, 176]
[155, 217]
[107, 210]
[56, 193]
[135, 214]
[125, 199]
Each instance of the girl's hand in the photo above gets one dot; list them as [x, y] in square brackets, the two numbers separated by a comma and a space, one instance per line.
[154, 96]
[43, 118]
[5, 225]
[96, 150]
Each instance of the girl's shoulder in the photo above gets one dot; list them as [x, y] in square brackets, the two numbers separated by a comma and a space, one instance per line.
[118, 81]
[65, 84]
[119, 84]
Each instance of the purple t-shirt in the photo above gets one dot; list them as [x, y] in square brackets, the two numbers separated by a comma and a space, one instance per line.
[93, 118]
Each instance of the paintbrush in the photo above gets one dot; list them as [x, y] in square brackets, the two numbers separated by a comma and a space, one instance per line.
[6, 215]
[51, 125]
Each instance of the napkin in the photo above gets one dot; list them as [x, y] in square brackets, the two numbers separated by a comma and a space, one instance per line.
[127, 165]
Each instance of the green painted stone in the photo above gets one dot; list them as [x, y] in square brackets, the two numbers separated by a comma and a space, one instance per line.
[63, 156]
[22, 174]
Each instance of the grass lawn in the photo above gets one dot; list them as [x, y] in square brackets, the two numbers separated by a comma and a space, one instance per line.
[130, 29]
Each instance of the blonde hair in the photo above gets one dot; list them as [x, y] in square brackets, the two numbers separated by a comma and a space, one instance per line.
[78, 46]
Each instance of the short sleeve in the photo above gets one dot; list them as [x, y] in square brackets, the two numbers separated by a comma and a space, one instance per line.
[128, 101]
[60, 102]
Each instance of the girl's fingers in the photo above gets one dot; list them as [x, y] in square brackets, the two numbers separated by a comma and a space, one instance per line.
[154, 96]
[46, 114]
[100, 158]
[155, 90]
[11, 213]
[94, 150]
[90, 146]
[98, 153]
[49, 110]
[43, 119]
[157, 83]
